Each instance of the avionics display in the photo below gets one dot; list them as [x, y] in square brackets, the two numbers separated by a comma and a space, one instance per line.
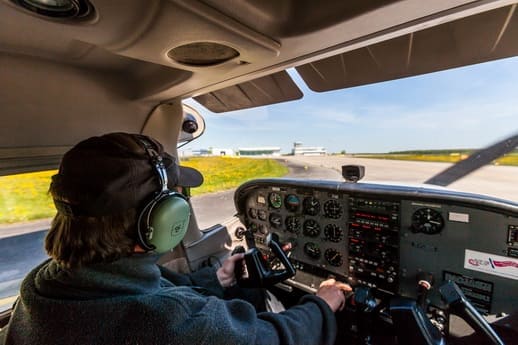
[374, 243]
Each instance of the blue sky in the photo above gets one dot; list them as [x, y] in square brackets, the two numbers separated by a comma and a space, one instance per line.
[469, 107]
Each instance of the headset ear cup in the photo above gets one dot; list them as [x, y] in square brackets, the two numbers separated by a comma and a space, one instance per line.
[164, 222]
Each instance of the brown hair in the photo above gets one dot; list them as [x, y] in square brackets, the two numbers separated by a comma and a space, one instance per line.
[77, 241]
[74, 241]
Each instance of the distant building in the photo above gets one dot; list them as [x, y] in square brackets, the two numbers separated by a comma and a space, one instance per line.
[191, 152]
[299, 150]
[259, 151]
[222, 152]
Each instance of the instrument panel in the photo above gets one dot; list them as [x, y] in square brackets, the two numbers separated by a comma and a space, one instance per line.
[384, 236]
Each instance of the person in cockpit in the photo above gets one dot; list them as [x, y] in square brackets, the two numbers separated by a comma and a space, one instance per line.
[116, 213]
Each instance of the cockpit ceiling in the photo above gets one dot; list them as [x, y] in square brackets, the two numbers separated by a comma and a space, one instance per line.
[480, 38]
[119, 65]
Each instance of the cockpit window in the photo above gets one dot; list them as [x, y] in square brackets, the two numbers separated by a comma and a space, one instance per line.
[436, 119]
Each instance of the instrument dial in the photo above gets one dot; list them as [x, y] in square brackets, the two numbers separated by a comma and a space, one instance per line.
[252, 212]
[276, 220]
[332, 209]
[333, 233]
[333, 257]
[428, 221]
[262, 229]
[292, 203]
[312, 250]
[292, 224]
[275, 200]
[311, 228]
[262, 215]
[311, 206]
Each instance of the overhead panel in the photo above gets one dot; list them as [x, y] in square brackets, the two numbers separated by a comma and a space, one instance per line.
[271, 89]
[480, 38]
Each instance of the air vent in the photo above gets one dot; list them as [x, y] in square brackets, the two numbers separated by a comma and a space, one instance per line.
[200, 54]
[63, 9]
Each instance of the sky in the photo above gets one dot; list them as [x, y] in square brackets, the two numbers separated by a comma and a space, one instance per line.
[469, 107]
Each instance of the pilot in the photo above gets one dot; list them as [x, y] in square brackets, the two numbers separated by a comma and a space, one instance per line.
[102, 284]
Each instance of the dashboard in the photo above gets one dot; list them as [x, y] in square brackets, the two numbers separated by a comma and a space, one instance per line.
[387, 237]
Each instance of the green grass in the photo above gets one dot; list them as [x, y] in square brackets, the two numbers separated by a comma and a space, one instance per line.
[223, 173]
[24, 197]
[510, 159]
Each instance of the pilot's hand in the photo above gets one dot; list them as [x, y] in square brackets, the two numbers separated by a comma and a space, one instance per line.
[333, 293]
[225, 273]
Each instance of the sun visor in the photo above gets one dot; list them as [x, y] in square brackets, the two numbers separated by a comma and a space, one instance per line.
[271, 89]
[479, 38]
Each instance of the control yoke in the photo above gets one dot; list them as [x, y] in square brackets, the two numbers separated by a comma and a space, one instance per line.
[459, 305]
[258, 272]
[414, 327]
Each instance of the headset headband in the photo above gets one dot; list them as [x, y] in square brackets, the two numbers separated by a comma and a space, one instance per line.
[157, 162]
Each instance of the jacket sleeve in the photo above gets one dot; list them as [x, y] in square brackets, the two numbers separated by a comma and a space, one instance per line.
[216, 321]
[204, 280]
[309, 322]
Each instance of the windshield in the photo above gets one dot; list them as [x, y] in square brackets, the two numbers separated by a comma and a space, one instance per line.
[404, 130]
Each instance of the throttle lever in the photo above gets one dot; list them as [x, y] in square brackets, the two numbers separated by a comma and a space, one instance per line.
[258, 271]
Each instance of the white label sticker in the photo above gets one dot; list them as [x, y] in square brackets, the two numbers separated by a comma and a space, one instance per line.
[491, 264]
[458, 217]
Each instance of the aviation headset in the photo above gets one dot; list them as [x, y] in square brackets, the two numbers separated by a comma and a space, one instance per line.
[163, 222]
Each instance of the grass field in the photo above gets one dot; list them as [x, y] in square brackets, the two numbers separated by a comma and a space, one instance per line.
[24, 197]
[510, 159]
[223, 173]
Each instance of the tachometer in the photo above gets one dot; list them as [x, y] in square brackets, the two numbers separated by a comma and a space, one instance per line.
[311, 228]
[311, 206]
[428, 221]
[333, 257]
[312, 250]
[332, 209]
[333, 233]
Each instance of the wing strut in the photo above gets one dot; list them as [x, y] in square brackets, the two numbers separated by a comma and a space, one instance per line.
[475, 161]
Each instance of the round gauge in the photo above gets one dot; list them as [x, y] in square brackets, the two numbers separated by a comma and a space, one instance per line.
[276, 220]
[262, 215]
[333, 233]
[311, 206]
[428, 221]
[252, 212]
[333, 257]
[332, 209]
[312, 250]
[292, 224]
[253, 227]
[311, 228]
[275, 200]
[292, 203]
[262, 229]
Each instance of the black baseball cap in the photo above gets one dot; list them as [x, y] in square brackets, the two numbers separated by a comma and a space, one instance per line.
[112, 173]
